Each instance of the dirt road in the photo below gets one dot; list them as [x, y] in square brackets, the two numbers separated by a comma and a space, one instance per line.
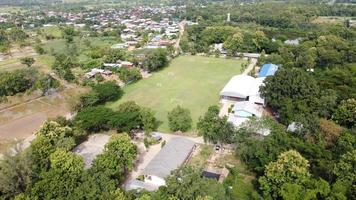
[250, 66]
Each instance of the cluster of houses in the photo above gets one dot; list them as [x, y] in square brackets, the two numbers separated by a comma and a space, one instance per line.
[134, 20]
[163, 33]
[243, 92]
[93, 72]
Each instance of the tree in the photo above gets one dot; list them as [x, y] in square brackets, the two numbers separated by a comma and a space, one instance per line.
[100, 94]
[233, 43]
[345, 169]
[94, 119]
[345, 114]
[330, 131]
[331, 50]
[179, 119]
[50, 137]
[128, 117]
[108, 91]
[313, 190]
[155, 60]
[215, 129]
[293, 93]
[17, 35]
[62, 66]
[144, 197]
[148, 119]
[39, 49]
[128, 75]
[68, 34]
[188, 184]
[289, 83]
[63, 177]
[290, 168]
[117, 158]
[16, 174]
[28, 61]
[345, 143]
[17, 81]
[114, 55]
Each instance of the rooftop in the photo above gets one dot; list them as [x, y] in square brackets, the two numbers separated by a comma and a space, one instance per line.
[171, 157]
[268, 70]
[242, 86]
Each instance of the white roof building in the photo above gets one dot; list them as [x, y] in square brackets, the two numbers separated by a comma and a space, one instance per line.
[243, 110]
[247, 109]
[243, 87]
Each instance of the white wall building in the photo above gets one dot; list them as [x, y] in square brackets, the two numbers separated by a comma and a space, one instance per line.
[243, 88]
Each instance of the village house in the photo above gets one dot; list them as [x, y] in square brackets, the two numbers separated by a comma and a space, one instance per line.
[172, 156]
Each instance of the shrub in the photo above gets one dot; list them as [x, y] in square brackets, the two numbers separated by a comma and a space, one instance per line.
[130, 75]
[179, 119]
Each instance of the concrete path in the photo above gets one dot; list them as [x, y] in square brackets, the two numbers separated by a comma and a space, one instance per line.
[250, 66]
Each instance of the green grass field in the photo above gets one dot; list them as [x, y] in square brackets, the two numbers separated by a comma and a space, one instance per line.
[58, 46]
[190, 81]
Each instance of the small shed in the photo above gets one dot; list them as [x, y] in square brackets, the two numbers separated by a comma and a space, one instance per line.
[212, 175]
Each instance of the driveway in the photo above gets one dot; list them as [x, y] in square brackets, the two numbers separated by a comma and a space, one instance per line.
[91, 148]
[250, 66]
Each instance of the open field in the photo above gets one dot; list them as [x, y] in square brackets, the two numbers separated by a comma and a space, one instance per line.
[12, 61]
[330, 20]
[54, 31]
[58, 46]
[190, 81]
[23, 115]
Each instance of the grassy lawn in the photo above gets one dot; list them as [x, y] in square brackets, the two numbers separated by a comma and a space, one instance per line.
[240, 180]
[58, 46]
[54, 31]
[201, 158]
[190, 81]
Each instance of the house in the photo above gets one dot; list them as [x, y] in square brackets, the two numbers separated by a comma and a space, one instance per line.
[246, 109]
[172, 156]
[165, 42]
[96, 71]
[211, 175]
[242, 111]
[119, 46]
[295, 127]
[243, 88]
[294, 42]
[268, 70]
[126, 64]
[219, 47]
[113, 65]
[131, 43]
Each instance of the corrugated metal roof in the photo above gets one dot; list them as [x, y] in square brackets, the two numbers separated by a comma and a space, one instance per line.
[171, 157]
[268, 70]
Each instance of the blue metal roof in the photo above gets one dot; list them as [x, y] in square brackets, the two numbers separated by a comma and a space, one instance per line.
[268, 70]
